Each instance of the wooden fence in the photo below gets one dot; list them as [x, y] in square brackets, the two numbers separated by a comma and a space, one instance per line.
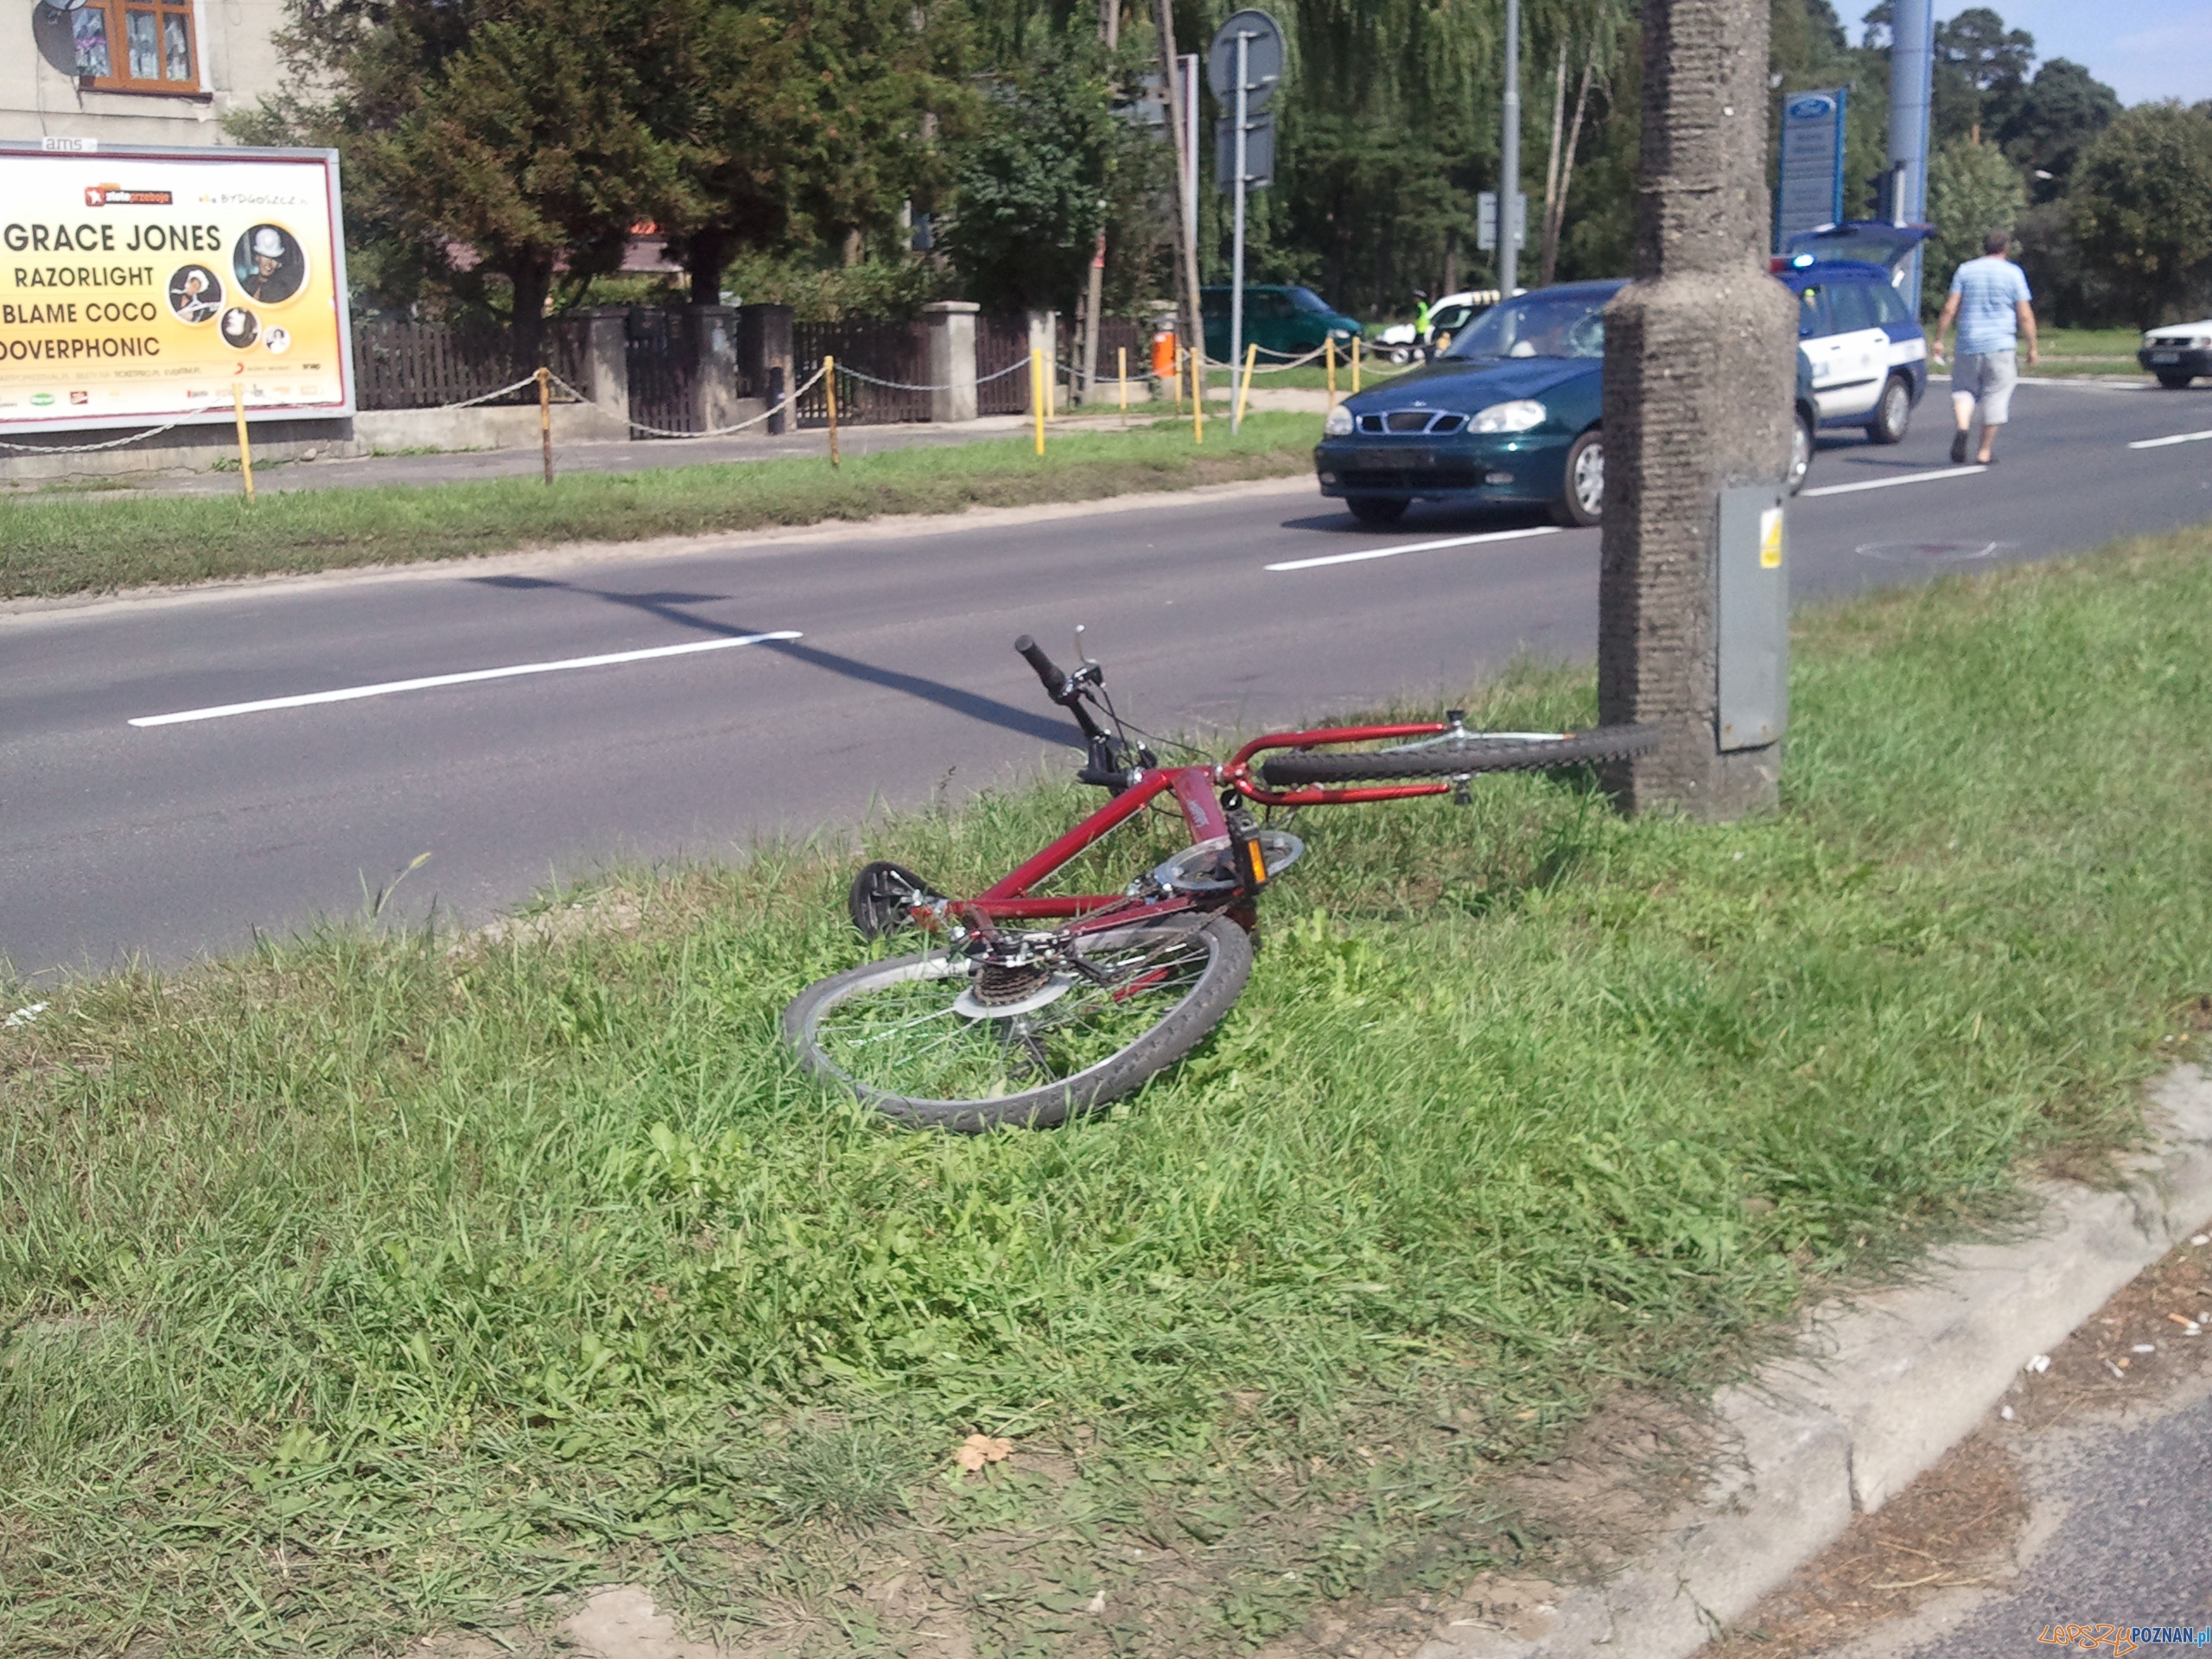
[404, 364]
[884, 351]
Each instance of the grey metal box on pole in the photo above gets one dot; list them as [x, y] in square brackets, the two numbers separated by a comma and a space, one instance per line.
[1753, 624]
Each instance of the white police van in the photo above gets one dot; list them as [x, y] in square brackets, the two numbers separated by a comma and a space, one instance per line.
[1859, 331]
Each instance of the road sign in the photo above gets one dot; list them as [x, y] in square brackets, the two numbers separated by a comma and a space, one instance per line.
[1810, 193]
[1263, 58]
[1486, 221]
[1259, 152]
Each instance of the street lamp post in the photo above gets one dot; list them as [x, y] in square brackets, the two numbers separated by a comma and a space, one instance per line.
[1912, 53]
[1236, 280]
[1508, 187]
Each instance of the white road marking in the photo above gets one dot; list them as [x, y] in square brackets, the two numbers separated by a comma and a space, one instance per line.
[386, 687]
[1413, 547]
[2178, 437]
[1902, 478]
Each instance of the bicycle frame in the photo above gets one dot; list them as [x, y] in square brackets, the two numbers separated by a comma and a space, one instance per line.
[1196, 791]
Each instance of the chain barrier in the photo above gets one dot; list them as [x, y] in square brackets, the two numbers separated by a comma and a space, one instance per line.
[86, 448]
[529, 379]
[155, 431]
[901, 385]
[790, 401]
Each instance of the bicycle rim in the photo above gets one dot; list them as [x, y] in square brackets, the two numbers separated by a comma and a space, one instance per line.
[900, 1035]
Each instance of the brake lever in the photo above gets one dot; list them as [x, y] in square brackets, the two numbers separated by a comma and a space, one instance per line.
[1092, 670]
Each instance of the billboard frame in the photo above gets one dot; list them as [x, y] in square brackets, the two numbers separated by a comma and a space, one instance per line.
[76, 148]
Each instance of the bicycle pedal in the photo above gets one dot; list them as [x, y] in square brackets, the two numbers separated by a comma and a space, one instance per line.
[1461, 795]
[1251, 861]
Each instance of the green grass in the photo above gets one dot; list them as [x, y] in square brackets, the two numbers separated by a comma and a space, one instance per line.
[50, 547]
[2090, 342]
[2089, 351]
[364, 1286]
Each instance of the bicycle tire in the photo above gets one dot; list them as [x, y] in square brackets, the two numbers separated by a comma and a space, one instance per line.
[1479, 752]
[1180, 1027]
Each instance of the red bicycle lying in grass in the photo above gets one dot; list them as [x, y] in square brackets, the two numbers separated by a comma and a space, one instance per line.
[1027, 1009]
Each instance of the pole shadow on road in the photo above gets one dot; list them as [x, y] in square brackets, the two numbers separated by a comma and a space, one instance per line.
[670, 607]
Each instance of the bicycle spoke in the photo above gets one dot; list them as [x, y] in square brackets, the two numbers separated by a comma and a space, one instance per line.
[904, 1035]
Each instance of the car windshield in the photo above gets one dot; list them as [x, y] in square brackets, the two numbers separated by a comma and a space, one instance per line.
[1307, 301]
[1547, 323]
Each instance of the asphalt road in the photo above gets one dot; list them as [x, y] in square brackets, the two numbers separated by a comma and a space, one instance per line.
[2119, 1538]
[174, 839]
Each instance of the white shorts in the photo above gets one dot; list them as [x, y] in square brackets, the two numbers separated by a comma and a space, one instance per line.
[1987, 378]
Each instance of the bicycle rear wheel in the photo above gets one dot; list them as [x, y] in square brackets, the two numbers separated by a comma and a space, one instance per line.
[1458, 754]
[909, 1037]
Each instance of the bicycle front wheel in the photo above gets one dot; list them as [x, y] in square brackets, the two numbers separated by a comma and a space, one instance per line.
[1458, 754]
[909, 1037]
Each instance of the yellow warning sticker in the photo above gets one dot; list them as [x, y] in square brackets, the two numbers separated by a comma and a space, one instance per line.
[1771, 539]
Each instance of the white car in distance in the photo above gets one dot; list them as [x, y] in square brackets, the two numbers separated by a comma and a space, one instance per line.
[1398, 344]
[2178, 353]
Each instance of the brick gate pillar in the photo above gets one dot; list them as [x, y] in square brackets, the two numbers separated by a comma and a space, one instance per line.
[951, 359]
[764, 355]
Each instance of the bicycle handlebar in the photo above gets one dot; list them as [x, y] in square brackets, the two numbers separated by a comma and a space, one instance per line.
[1056, 683]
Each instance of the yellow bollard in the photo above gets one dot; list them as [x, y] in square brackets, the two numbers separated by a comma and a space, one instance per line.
[829, 380]
[1355, 366]
[1329, 353]
[246, 448]
[1039, 391]
[545, 419]
[1121, 360]
[1245, 392]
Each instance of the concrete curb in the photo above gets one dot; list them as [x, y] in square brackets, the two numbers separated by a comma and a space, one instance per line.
[1880, 1391]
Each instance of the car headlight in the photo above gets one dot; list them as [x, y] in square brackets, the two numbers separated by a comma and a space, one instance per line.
[1339, 424]
[1516, 416]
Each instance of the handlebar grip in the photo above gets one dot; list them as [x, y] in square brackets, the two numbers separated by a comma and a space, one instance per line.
[1055, 682]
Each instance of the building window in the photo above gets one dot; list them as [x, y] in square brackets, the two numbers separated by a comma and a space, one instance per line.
[126, 47]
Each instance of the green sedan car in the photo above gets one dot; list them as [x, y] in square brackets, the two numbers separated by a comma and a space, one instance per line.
[1286, 322]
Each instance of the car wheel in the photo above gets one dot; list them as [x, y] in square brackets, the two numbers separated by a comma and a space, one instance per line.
[2173, 382]
[1400, 354]
[1801, 450]
[1892, 414]
[1582, 497]
[1375, 509]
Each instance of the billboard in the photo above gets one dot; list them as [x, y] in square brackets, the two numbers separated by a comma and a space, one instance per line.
[137, 285]
[1810, 193]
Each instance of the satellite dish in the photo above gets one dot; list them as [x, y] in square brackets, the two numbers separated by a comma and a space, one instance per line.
[1263, 58]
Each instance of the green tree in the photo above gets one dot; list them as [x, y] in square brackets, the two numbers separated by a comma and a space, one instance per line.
[528, 134]
[1972, 189]
[1980, 69]
[2062, 109]
[807, 122]
[1029, 188]
[2141, 202]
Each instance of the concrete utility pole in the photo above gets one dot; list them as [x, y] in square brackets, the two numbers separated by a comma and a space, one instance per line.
[1509, 168]
[1912, 67]
[1699, 369]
